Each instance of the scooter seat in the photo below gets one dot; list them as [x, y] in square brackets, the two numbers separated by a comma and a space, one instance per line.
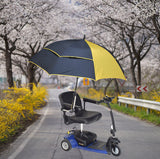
[86, 117]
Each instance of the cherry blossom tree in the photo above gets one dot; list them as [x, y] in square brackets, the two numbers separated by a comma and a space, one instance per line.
[148, 13]
[120, 20]
[16, 16]
[33, 38]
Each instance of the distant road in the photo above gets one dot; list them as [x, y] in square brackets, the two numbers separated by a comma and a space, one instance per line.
[139, 140]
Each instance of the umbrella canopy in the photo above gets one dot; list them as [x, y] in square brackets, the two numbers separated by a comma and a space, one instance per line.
[80, 58]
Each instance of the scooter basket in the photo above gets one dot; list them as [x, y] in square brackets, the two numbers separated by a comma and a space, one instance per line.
[84, 138]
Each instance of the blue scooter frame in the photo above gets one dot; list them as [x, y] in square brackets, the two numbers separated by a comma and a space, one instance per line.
[74, 144]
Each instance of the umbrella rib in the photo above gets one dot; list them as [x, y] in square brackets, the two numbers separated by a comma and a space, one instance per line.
[78, 57]
[39, 67]
[52, 51]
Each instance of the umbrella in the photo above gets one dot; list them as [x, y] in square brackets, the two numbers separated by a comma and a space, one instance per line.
[79, 58]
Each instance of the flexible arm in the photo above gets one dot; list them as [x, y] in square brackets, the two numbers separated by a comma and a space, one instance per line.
[104, 100]
[90, 100]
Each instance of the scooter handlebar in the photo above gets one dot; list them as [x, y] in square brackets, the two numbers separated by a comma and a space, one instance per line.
[107, 99]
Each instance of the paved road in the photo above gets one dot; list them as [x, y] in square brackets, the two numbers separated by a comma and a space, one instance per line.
[139, 140]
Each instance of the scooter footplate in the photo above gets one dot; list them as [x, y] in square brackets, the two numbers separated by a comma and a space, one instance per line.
[98, 145]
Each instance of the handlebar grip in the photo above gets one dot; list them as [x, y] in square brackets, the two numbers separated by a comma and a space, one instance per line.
[108, 99]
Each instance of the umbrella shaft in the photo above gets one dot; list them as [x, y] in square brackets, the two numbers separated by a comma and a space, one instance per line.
[76, 84]
[74, 102]
[74, 98]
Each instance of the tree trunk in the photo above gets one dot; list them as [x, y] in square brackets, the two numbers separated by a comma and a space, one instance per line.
[138, 94]
[156, 26]
[105, 89]
[8, 61]
[31, 75]
[132, 69]
[117, 88]
[37, 80]
[94, 84]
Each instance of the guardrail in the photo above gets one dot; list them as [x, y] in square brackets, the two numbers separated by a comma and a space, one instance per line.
[140, 102]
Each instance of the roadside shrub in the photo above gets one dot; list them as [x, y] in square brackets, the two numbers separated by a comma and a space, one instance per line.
[94, 94]
[19, 104]
[156, 95]
[128, 95]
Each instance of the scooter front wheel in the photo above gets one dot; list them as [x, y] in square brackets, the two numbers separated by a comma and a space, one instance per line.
[65, 145]
[116, 151]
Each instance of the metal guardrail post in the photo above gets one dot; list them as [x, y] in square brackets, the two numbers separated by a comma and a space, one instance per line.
[135, 108]
[148, 111]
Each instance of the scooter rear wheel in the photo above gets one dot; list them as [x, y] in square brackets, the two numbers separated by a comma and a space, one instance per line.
[65, 145]
[116, 151]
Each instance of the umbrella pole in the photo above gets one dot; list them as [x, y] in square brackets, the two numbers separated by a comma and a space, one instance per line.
[76, 84]
[74, 96]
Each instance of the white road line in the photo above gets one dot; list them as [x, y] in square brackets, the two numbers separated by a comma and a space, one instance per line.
[21, 147]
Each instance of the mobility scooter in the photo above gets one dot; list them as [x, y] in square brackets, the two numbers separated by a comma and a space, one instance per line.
[73, 112]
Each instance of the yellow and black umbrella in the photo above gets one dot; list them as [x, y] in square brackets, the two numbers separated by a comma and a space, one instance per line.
[80, 58]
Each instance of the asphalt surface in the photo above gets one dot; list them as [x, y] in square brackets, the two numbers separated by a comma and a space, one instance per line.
[42, 140]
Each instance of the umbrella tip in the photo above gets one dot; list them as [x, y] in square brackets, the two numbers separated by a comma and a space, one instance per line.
[84, 37]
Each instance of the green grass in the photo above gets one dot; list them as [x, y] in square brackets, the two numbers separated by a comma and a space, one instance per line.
[141, 114]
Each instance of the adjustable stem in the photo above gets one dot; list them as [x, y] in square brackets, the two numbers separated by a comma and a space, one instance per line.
[107, 100]
[81, 128]
[112, 119]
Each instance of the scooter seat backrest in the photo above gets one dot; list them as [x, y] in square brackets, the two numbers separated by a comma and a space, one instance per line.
[66, 100]
[77, 115]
